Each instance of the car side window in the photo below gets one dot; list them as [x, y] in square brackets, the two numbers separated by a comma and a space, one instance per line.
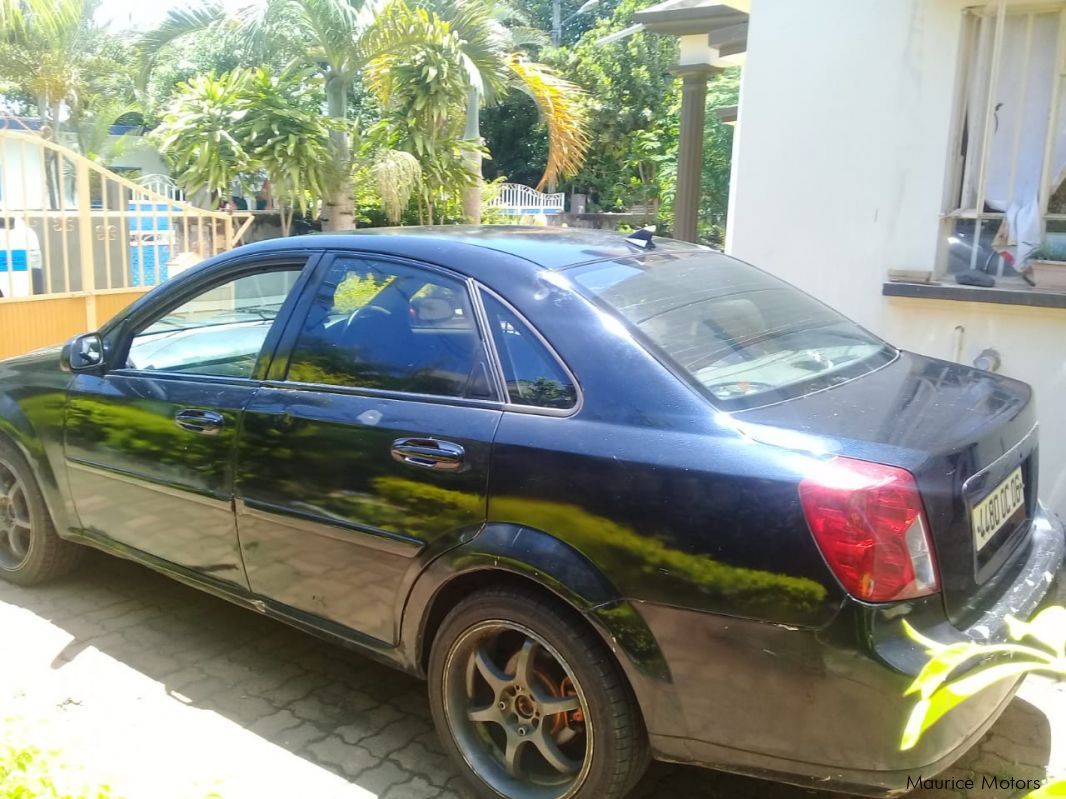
[533, 375]
[219, 332]
[378, 324]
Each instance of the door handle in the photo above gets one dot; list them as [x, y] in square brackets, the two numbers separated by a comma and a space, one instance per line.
[428, 453]
[207, 423]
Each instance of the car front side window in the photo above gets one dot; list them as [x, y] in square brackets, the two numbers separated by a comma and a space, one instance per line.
[383, 325]
[219, 332]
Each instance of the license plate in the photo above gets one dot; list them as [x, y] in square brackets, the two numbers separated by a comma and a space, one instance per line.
[991, 513]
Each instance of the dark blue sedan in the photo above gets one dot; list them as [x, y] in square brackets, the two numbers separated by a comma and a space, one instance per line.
[614, 499]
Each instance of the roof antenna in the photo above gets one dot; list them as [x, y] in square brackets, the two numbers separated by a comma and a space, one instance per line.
[642, 238]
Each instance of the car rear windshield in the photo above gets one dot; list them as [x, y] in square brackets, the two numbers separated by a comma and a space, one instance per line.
[748, 338]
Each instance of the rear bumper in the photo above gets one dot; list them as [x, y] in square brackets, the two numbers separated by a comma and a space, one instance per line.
[825, 707]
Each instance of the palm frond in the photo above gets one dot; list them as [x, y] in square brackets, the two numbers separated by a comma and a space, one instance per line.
[560, 103]
[485, 42]
[526, 38]
[179, 22]
[397, 175]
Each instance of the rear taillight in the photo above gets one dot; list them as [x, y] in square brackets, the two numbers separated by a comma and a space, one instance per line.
[868, 521]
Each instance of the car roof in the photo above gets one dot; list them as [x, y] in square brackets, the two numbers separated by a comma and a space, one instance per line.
[545, 247]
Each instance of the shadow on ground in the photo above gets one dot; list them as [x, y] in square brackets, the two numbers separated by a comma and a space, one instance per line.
[358, 719]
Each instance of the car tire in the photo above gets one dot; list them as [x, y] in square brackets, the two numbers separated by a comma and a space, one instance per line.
[30, 550]
[596, 749]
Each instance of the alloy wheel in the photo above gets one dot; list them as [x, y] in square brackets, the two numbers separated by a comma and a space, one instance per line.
[516, 712]
[15, 524]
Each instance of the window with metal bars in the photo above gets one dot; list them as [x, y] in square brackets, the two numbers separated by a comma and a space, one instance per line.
[1005, 198]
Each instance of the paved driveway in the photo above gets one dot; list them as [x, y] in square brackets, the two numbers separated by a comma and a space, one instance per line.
[166, 692]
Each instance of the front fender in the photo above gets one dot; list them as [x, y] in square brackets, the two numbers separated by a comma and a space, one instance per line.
[31, 419]
[534, 556]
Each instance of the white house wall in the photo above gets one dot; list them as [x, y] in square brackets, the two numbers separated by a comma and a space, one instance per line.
[838, 176]
[22, 183]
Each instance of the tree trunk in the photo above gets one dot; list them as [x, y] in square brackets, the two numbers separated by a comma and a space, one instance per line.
[472, 133]
[338, 209]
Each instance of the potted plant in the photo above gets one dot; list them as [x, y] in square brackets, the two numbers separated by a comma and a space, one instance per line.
[1048, 267]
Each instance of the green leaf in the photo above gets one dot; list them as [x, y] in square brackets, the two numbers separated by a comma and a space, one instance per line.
[940, 667]
[1048, 628]
[983, 678]
[1053, 790]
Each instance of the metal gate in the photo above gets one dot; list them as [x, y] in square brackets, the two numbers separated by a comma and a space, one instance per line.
[78, 242]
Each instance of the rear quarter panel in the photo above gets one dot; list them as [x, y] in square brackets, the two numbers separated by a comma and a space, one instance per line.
[651, 484]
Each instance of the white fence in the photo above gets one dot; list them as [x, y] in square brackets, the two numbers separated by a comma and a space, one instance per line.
[515, 199]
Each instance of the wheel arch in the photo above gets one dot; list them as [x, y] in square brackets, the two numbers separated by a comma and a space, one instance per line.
[508, 554]
[18, 431]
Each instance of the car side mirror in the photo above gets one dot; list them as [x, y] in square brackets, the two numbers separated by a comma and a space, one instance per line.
[82, 352]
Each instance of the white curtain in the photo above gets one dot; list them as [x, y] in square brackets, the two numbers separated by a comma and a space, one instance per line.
[1021, 103]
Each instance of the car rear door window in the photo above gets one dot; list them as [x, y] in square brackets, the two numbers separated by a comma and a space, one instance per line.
[533, 375]
[219, 332]
[384, 325]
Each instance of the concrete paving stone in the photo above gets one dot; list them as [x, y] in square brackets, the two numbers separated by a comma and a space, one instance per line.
[435, 766]
[394, 736]
[300, 737]
[414, 701]
[381, 777]
[294, 689]
[272, 725]
[212, 697]
[350, 759]
[371, 722]
[417, 788]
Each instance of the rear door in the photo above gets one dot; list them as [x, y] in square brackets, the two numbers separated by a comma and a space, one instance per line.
[149, 443]
[368, 449]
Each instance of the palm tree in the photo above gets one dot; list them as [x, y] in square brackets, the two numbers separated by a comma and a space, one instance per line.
[341, 38]
[49, 49]
[329, 35]
[46, 50]
[494, 40]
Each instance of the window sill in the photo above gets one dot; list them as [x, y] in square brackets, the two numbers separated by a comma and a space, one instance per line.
[1015, 294]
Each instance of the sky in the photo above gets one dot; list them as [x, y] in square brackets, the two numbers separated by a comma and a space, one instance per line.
[141, 14]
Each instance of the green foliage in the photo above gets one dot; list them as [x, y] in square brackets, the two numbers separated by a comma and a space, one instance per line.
[356, 290]
[52, 53]
[26, 773]
[630, 88]
[722, 90]
[423, 91]
[397, 175]
[224, 130]
[516, 139]
[286, 136]
[955, 672]
[1049, 252]
[197, 133]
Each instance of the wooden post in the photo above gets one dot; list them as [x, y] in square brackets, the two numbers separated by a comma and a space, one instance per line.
[85, 240]
[690, 149]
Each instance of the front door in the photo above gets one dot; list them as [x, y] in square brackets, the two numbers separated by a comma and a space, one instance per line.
[149, 444]
[371, 452]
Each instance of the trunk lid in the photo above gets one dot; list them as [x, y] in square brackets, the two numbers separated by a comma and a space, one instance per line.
[963, 434]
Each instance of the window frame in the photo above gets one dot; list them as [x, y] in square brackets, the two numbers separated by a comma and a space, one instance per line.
[978, 70]
[276, 375]
[494, 356]
[303, 262]
[278, 371]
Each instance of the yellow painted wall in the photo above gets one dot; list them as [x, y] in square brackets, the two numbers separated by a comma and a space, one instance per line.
[30, 324]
